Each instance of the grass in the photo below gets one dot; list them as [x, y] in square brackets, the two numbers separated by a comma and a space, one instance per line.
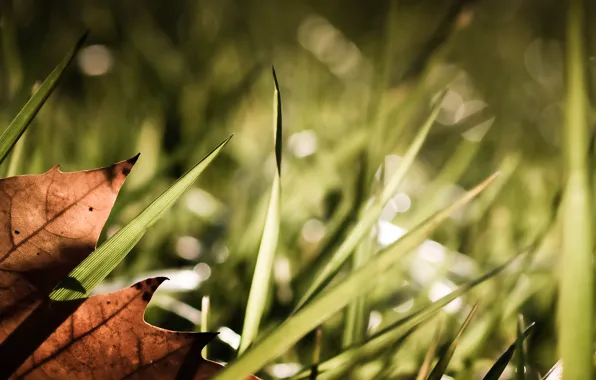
[577, 275]
[95, 268]
[176, 88]
[259, 289]
[17, 127]
[323, 307]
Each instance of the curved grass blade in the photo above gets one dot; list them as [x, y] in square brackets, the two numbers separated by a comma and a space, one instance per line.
[497, 369]
[331, 301]
[19, 124]
[441, 366]
[262, 275]
[370, 216]
[576, 286]
[104, 259]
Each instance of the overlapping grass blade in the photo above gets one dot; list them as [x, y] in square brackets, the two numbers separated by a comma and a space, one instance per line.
[576, 289]
[334, 299]
[424, 370]
[441, 366]
[104, 259]
[497, 369]
[356, 313]
[19, 124]
[262, 274]
[370, 216]
[384, 355]
[384, 338]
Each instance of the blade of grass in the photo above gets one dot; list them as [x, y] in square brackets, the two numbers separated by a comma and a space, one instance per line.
[430, 354]
[104, 259]
[16, 157]
[575, 330]
[205, 321]
[382, 339]
[316, 356]
[497, 369]
[555, 373]
[388, 366]
[370, 216]
[328, 303]
[521, 366]
[356, 313]
[19, 124]
[262, 275]
[441, 366]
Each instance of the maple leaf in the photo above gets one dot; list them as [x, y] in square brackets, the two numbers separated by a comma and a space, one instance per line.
[49, 223]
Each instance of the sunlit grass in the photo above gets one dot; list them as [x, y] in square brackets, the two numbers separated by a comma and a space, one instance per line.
[176, 89]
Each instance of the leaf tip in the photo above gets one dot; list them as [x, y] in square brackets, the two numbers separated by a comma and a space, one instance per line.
[275, 78]
[82, 39]
[227, 140]
[134, 159]
[148, 287]
[484, 184]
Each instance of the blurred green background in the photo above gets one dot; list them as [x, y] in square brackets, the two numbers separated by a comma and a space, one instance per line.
[173, 79]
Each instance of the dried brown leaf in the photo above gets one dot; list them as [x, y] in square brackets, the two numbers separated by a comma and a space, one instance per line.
[49, 223]
[106, 337]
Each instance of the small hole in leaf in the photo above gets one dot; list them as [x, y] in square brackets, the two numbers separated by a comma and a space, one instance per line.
[17, 232]
[90, 208]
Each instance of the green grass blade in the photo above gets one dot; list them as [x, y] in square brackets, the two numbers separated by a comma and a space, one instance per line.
[205, 322]
[357, 311]
[430, 354]
[316, 356]
[497, 369]
[384, 338]
[576, 288]
[16, 157]
[15, 129]
[556, 372]
[370, 216]
[328, 303]
[441, 366]
[521, 365]
[104, 259]
[262, 275]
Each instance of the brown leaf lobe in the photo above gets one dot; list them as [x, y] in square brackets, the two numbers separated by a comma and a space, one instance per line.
[107, 338]
[49, 223]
